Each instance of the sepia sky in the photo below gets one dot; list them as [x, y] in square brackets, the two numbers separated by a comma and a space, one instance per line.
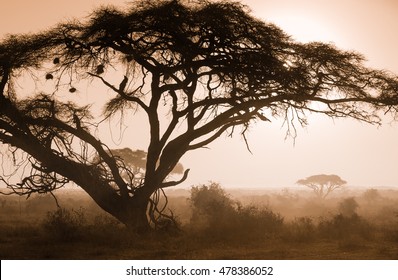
[361, 154]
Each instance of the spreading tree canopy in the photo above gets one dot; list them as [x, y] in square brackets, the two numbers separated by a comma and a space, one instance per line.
[322, 184]
[196, 71]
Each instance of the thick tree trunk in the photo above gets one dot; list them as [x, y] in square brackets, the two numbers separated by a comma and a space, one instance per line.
[134, 215]
[132, 211]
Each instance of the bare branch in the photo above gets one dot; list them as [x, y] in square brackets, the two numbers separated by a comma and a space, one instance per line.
[175, 183]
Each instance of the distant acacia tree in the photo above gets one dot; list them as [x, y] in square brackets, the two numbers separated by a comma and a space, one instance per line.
[196, 71]
[136, 163]
[322, 184]
[136, 160]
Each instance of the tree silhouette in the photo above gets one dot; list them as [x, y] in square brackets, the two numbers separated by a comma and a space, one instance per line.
[196, 71]
[322, 184]
[136, 163]
[136, 160]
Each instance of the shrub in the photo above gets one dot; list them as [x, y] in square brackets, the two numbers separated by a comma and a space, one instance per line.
[343, 227]
[371, 195]
[348, 207]
[390, 233]
[64, 224]
[216, 215]
[211, 207]
[301, 229]
[258, 221]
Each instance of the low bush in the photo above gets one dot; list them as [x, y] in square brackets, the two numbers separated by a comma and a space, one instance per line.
[259, 221]
[64, 224]
[341, 226]
[216, 216]
[301, 229]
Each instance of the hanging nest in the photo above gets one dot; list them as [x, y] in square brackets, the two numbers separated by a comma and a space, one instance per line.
[100, 69]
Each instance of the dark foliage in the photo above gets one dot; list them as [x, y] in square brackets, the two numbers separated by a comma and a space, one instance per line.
[65, 225]
[217, 216]
[342, 227]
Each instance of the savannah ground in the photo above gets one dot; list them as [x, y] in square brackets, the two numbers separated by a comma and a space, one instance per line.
[239, 224]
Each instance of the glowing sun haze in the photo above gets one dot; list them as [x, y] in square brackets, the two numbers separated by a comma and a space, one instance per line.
[361, 154]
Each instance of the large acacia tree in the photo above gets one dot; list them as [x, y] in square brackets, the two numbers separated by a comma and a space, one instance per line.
[196, 71]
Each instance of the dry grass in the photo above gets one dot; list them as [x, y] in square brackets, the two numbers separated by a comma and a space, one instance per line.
[253, 232]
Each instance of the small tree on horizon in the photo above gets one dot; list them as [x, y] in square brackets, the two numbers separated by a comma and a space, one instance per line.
[195, 70]
[322, 184]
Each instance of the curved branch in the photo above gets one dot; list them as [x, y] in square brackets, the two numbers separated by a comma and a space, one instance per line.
[174, 183]
[217, 134]
[87, 138]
